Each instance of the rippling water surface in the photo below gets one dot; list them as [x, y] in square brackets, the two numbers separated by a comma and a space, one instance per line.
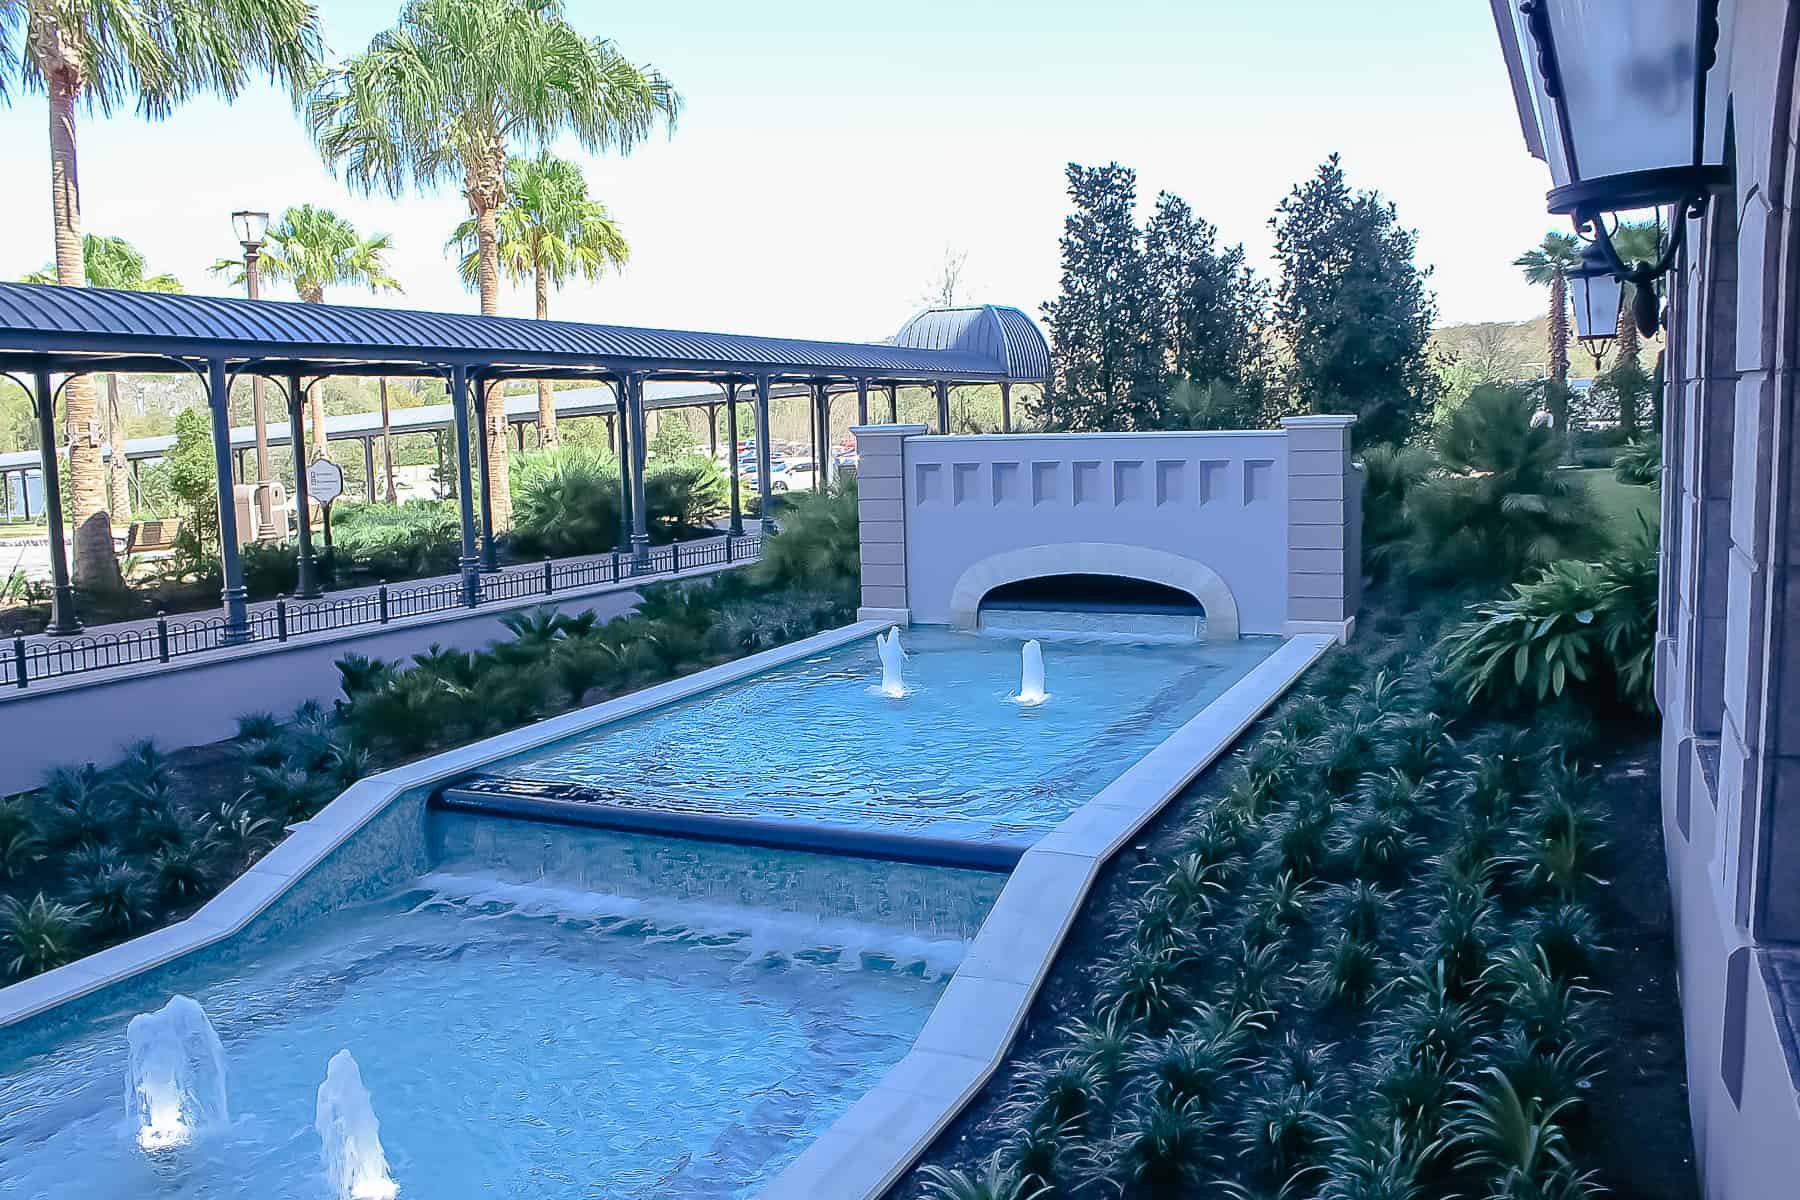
[546, 1014]
[956, 754]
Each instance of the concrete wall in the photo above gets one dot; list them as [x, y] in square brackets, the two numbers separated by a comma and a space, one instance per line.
[1728, 659]
[199, 701]
[1260, 526]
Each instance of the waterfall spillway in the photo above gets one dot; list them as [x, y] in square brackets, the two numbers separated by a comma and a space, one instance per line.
[177, 1074]
[893, 660]
[1031, 674]
[354, 1162]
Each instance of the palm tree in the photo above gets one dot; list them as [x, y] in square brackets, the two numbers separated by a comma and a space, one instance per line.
[445, 95]
[313, 249]
[113, 262]
[1550, 264]
[549, 230]
[106, 53]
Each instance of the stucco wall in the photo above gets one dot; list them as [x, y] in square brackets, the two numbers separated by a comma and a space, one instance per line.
[1728, 661]
[199, 701]
[1217, 499]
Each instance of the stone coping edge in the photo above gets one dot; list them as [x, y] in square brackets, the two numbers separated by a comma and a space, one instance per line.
[967, 1036]
[311, 841]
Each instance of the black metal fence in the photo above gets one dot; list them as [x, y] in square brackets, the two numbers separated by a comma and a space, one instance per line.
[29, 662]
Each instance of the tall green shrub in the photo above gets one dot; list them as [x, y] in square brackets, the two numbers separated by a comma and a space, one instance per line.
[566, 501]
[1500, 506]
[818, 544]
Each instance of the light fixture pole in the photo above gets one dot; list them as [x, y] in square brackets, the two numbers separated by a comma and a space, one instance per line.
[251, 229]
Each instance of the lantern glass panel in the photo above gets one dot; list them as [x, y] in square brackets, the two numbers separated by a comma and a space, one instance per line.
[1628, 75]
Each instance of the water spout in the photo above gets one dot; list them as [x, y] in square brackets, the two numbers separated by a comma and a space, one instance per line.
[177, 1074]
[1031, 675]
[893, 659]
[354, 1162]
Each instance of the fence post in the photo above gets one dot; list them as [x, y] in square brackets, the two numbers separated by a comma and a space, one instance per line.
[281, 629]
[162, 635]
[674, 558]
[615, 566]
[19, 655]
[381, 599]
[549, 576]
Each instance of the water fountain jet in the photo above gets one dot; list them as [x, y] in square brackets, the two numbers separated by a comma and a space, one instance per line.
[1031, 674]
[176, 1082]
[893, 659]
[355, 1164]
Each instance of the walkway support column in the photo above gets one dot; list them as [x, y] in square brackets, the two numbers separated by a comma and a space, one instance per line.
[893, 391]
[369, 466]
[764, 460]
[736, 528]
[1005, 407]
[822, 436]
[62, 595]
[881, 520]
[862, 402]
[712, 430]
[623, 411]
[488, 563]
[237, 616]
[467, 563]
[640, 532]
[943, 399]
[308, 585]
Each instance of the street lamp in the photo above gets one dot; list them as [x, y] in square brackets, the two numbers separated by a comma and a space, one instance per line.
[251, 228]
[1628, 82]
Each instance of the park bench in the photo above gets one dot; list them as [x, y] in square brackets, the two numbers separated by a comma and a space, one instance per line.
[151, 537]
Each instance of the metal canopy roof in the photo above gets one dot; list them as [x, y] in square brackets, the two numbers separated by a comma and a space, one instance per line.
[988, 330]
[65, 328]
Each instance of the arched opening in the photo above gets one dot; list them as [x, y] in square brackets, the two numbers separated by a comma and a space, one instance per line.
[1096, 573]
[1093, 593]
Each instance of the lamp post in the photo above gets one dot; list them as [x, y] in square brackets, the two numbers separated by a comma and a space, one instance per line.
[1632, 128]
[252, 228]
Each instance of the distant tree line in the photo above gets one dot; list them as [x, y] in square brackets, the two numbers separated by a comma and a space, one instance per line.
[1163, 327]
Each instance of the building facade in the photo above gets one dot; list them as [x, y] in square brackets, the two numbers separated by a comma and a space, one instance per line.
[1728, 665]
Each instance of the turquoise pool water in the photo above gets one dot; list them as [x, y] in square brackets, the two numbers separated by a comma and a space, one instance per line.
[546, 1012]
[955, 757]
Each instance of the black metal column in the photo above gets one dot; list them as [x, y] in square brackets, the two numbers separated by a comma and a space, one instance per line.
[308, 585]
[467, 563]
[625, 461]
[736, 528]
[640, 532]
[764, 463]
[943, 399]
[1006, 408]
[488, 562]
[862, 402]
[62, 594]
[893, 390]
[237, 616]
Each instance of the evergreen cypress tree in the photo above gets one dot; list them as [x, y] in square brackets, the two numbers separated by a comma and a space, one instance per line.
[1210, 312]
[1352, 307]
[1105, 358]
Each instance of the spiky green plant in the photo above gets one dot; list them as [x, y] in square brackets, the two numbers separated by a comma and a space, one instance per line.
[1041, 1152]
[1192, 883]
[1542, 1077]
[82, 805]
[1376, 842]
[1365, 1167]
[1301, 845]
[39, 935]
[1284, 1128]
[358, 674]
[258, 727]
[182, 873]
[238, 832]
[21, 836]
[1189, 1064]
[115, 895]
[1362, 909]
[994, 1181]
[1347, 972]
[1517, 1144]
[1305, 718]
[1162, 1149]
[1104, 1044]
[1568, 937]
[1066, 1094]
[1144, 986]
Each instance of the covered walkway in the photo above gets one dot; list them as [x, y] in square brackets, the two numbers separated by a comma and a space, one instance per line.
[47, 332]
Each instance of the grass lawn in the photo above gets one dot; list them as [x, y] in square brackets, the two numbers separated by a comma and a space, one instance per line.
[1620, 503]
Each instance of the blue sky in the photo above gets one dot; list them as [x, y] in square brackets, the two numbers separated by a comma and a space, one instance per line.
[830, 151]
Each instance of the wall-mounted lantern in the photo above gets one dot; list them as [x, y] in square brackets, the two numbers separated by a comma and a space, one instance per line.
[1595, 290]
[1627, 79]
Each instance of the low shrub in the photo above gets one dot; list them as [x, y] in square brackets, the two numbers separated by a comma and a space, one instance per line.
[1639, 462]
[1587, 626]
